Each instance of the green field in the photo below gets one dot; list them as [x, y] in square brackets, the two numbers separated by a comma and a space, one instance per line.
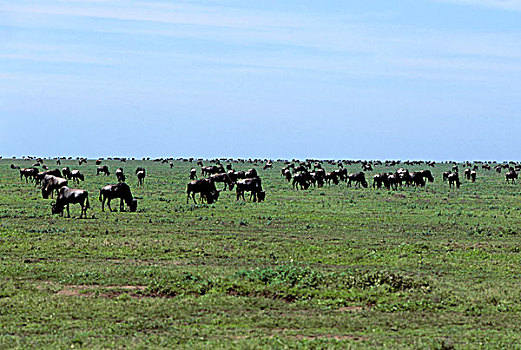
[330, 267]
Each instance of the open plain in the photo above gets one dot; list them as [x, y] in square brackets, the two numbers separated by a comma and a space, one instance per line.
[330, 267]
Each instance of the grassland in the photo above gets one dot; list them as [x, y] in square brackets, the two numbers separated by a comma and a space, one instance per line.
[335, 267]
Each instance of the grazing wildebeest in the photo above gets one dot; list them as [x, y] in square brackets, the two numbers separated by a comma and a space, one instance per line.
[140, 177]
[225, 178]
[82, 160]
[453, 179]
[28, 172]
[14, 166]
[511, 176]
[302, 179]
[120, 190]
[466, 173]
[446, 175]
[103, 169]
[381, 179]
[76, 176]
[358, 179]
[68, 196]
[51, 183]
[66, 173]
[98, 161]
[40, 176]
[120, 176]
[331, 176]
[268, 165]
[212, 169]
[418, 178]
[206, 187]
[473, 174]
[252, 185]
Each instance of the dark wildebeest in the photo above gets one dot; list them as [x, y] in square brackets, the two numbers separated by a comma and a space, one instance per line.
[418, 177]
[28, 172]
[120, 190]
[252, 185]
[82, 160]
[287, 175]
[103, 169]
[206, 187]
[14, 166]
[466, 173]
[120, 176]
[446, 175]
[193, 174]
[302, 179]
[66, 173]
[98, 161]
[511, 176]
[268, 165]
[40, 176]
[358, 179]
[381, 179]
[212, 169]
[453, 179]
[223, 177]
[250, 174]
[140, 177]
[77, 176]
[473, 176]
[68, 196]
[52, 183]
[331, 176]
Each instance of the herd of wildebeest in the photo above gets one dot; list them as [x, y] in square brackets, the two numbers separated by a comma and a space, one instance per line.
[301, 174]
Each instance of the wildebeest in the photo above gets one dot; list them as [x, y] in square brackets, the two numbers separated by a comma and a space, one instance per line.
[466, 173]
[140, 177]
[28, 173]
[68, 196]
[193, 174]
[418, 177]
[212, 169]
[103, 169]
[381, 179]
[453, 179]
[225, 178]
[250, 173]
[120, 190]
[446, 175]
[511, 176]
[287, 175]
[66, 172]
[40, 176]
[51, 183]
[76, 176]
[473, 176]
[358, 179]
[302, 179]
[331, 176]
[14, 166]
[206, 188]
[252, 185]
[120, 175]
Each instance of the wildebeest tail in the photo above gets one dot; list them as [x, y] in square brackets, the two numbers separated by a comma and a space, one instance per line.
[100, 196]
[87, 204]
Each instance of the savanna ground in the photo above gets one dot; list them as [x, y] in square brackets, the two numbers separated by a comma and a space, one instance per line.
[333, 267]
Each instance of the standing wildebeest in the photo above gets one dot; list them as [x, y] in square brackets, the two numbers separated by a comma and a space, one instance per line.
[453, 178]
[67, 196]
[446, 175]
[418, 177]
[250, 173]
[66, 173]
[28, 172]
[332, 176]
[512, 176]
[120, 175]
[358, 179]
[206, 187]
[51, 183]
[140, 177]
[212, 169]
[466, 173]
[381, 179]
[120, 190]
[473, 176]
[39, 177]
[223, 177]
[302, 179]
[287, 175]
[103, 169]
[193, 174]
[77, 176]
[252, 185]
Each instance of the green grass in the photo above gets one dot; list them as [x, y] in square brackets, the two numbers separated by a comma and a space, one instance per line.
[330, 267]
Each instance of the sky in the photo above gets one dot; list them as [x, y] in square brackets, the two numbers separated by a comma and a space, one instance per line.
[379, 79]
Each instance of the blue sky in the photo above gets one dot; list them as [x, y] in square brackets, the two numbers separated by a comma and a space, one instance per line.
[422, 79]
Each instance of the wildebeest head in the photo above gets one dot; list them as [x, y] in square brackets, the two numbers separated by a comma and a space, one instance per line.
[364, 184]
[261, 195]
[56, 209]
[133, 205]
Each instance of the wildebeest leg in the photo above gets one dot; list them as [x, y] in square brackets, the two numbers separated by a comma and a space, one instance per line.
[68, 213]
[121, 205]
[108, 203]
